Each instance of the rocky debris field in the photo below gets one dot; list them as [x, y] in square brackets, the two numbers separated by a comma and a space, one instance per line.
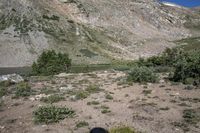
[98, 99]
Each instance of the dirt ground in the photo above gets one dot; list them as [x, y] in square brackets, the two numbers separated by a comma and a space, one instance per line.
[149, 108]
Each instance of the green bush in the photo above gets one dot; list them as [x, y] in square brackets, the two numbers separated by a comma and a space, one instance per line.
[23, 89]
[163, 69]
[167, 58]
[51, 114]
[187, 68]
[122, 130]
[142, 74]
[184, 64]
[50, 63]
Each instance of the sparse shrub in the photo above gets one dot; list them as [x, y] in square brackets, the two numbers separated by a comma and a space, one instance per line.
[93, 103]
[51, 114]
[6, 83]
[123, 129]
[23, 89]
[109, 97]
[49, 91]
[50, 63]
[104, 107]
[82, 124]
[70, 1]
[81, 95]
[147, 92]
[93, 89]
[105, 111]
[142, 74]
[52, 99]
[1, 104]
[122, 68]
[191, 116]
[53, 17]
[182, 125]
[2, 91]
[164, 108]
[189, 87]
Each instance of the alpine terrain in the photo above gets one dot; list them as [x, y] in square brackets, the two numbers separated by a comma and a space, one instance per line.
[99, 66]
[90, 31]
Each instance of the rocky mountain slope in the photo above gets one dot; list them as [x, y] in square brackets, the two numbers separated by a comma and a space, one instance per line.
[90, 31]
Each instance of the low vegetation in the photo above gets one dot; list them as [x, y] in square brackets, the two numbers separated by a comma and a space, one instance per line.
[109, 97]
[123, 129]
[51, 63]
[53, 17]
[82, 124]
[93, 89]
[51, 114]
[48, 91]
[6, 83]
[23, 89]
[1, 104]
[105, 109]
[184, 66]
[2, 91]
[142, 74]
[82, 94]
[52, 99]
[191, 116]
[147, 92]
[93, 103]
[187, 68]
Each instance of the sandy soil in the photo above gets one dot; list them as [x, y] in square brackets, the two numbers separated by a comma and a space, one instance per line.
[151, 108]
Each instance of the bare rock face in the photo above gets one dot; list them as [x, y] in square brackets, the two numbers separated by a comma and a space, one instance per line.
[90, 31]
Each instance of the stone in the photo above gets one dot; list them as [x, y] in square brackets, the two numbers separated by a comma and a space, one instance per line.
[62, 75]
[162, 81]
[38, 97]
[15, 78]
[66, 88]
[64, 1]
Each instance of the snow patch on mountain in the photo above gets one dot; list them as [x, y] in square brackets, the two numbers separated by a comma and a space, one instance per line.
[172, 4]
